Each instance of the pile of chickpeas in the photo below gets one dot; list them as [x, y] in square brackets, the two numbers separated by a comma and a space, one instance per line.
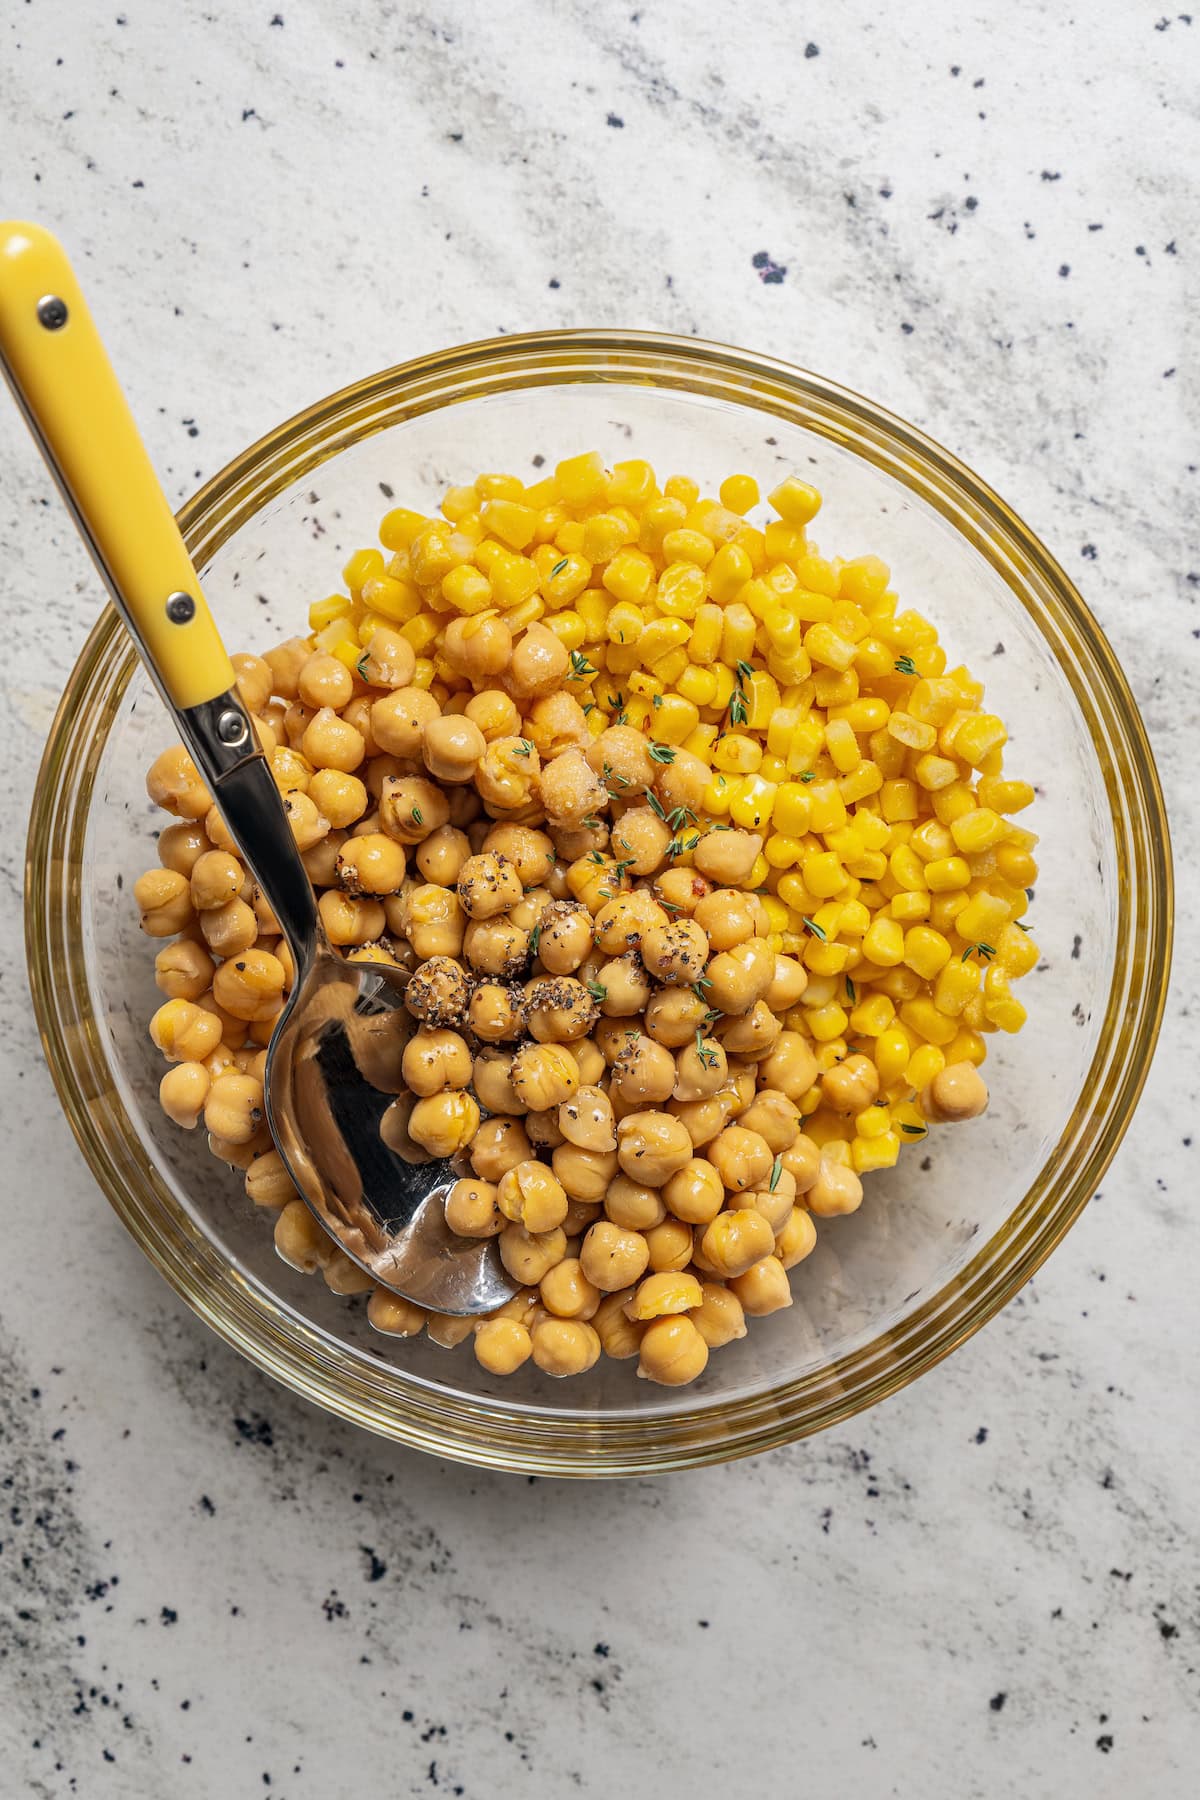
[679, 976]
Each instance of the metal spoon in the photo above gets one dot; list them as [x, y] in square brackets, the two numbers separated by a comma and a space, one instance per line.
[332, 1070]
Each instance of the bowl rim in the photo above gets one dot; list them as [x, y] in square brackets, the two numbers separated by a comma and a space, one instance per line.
[452, 1424]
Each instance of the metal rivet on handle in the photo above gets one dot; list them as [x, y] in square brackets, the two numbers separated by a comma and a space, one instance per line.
[52, 312]
[231, 727]
[180, 608]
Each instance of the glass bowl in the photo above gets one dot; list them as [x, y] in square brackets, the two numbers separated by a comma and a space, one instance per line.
[943, 1240]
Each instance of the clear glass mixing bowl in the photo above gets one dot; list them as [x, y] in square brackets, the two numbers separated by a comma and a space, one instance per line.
[943, 1240]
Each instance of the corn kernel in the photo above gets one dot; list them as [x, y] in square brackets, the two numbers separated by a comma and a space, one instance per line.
[827, 810]
[957, 984]
[872, 1016]
[946, 873]
[705, 637]
[1016, 866]
[697, 685]
[324, 612]
[739, 493]
[923, 1065]
[795, 501]
[842, 746]
[630, 484]
[467, 589]
[884, 942]
[910, 732]
[823, 873]
[868, 1154]
[675, 719]
[863, 781]
[966, 1046]
[1005, 796]
[752, 807]
[825, 647]
[781, 850]
[864, 580]
[922, 1016]
[979, 734]
[580, 479]
[925, 951]
[979, 830]
[907, 869]
[1016, 952]
[567, 628]
[737, 754]
[682, 488]
[524, 613]
[737, 634]
[892, 1055]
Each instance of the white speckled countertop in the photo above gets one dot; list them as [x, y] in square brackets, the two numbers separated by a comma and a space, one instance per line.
[986, 1588]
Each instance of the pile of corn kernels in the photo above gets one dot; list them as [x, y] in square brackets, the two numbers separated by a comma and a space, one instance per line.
[703, 865]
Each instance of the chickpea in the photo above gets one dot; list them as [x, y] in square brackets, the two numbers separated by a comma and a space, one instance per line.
[640, 839]
[791, 1066]
[836, 1190]
[703, 1119]
[802, 1160]
[338, 797]
[174, 783]
[239, 1156]
[797, 1239]
[447, 1330]
[564, 1346]
[309, 825]
[529, 908]
[285, 662]
[530, 852]
[268, 737]
[370, 864]
[739, 977]
[330, 742]
[487, 886]
[320, 859]
[558, 1008]
[727, 918]
[539, 662]
[438, 992]
[410, 808]
[478, 647]
[434, 1060]
[250, 986]
[324, 681]
[496, 1013]
[268, 1183]
[567, 1293]
[254, 680]
[296, 721]
[753, 1034]
[585, 1174]
[736, 1240]
[633, 1207]
[727, 857]
[763, 1288]
[496, 947]
[183, 1091]
[573, 842]
[495, 714]
[700, 1069]
[674, 1015]
[651, 1146]
[441, 855]
[399, 719]
[544, 1075]
[776, 1199]
[643, 1073]
[557, 723]
[682, 782]
[587, 1120]
[675, 953]
[444, 1123]
[589, 1059]
[530, 1194]
[663, 1293]
[164, 900]
[234, 1107]
[741, 1158]
[741, 1085]
[389, 659]
[217, 832]
[183, 970]
[508, 774]
[234, 1032]
[623, 922]
[625, 984]
[680, 890]
[216, 877]
[621, 755]
[343, 1275]
[346, 920]
[434, 923]
[393, 1315]
[672, 1351]
[720, 1318]
[695, 1193]
[619, 1335]
[299, 1239]
[500, 1144]
[670, 1244]
[180, 846]
[957, 1092]
[529, 1255]
[852, 1085]
[453, 747]
[229, 929]
[542, 1129]
[570, 791]
[502, 1345]
[789, 986]
[612, 1258]
[774, 1117]
[565, 938]
[492, 1080]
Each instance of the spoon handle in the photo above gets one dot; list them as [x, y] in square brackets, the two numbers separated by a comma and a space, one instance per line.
[61, 378]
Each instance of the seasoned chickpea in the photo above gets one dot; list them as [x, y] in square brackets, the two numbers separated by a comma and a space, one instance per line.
[739, 977]
[499, 1145]
[338, 796]
[836, 1190]
[643, 1073]
[544, 1075]
[320, 859]
[309, 825]
[330, 742]
[399, 719]
[700, 1069]
[621, 755]
[752, 1034]
[441, 855]
[727, 857]
[587, 1120]
[530, 852]
[370, 864]
[543, 1129]
[589, 1059]
[216, 878]
[736, 1240]
[488, 885]
[620, 1336]
[435, 1060]
[453, 747]
[675, 953]
[410, 808]
[564, 1346]
[508, 774]
[496, 947]
[492, 1080]
[680, 890]
[234, 1107]
[625, 984]
[438, 992]
[789, 985]
[539, 662]
[571, 842]
[672, 1351]
[479, 647]
[181, 846]
[444, 1123]
[852, 1085]
[250, 986]
[633, 1207]
[529, 1255]
[720, 1317]
[324, 681]
[358, 714]
[651, 1146]
[741, 1158]
[571, 792]
[434, 923]
[393, 1315]
[727, 918]
[957, 1092]
[183, 1091]
[797, 1239]
[389, 659]
[674, 1015]
[164, 900]
[529, 908]
[299, 1239]
[557, 723]
[621, 922]
[567, 1293]
[565, 938]
[285, 758]
[640, 839]
[791, 1066]
[585, 1174]
[613, 1258]
[695, 1193]
[183, 970]
[763, 1288]
[495, 714]
[349, 921]
[531, 1194]
[663, 1293]
[174, 783]
[502, 1345]
[581, 1214]
[497, 1012]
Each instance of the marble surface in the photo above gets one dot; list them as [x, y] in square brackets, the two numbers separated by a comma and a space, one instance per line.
[987, 1587]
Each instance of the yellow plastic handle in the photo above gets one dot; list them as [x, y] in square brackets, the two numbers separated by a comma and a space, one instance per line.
[64, 381]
